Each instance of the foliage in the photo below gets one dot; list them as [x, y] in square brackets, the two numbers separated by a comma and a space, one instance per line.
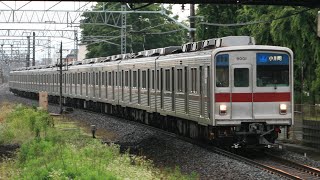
[23, 124]
[66, 153]
[293, 27]
[138, 28]
[219, 14]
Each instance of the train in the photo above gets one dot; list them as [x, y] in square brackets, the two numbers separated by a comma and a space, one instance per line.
[227, 91]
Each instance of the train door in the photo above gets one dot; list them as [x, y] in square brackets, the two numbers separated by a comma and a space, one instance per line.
[241, 91]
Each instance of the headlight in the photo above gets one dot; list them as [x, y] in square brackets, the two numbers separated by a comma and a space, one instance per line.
[283, 109]
[223, 109]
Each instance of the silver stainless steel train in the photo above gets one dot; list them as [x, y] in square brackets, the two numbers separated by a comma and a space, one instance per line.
[225, 90]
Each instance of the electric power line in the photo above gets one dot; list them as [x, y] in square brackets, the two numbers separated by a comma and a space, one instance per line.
[254, 22]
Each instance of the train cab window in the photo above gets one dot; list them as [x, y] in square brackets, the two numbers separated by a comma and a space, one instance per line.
[222, 70]
[241, 77]
[179, 80]
[272, 70]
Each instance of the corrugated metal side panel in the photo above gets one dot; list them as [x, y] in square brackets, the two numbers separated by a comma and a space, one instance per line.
[152, 99]
[158, 102]
[144, 100]
[126, 96]
[168, 103]
[180, 106]
[135, 98]
[194, 108]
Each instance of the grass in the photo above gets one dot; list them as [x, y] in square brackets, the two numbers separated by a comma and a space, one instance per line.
[64, 151]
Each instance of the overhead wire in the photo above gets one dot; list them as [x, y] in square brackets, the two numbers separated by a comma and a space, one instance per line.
[254, 22]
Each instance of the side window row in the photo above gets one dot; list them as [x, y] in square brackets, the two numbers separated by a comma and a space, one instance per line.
[161, 79]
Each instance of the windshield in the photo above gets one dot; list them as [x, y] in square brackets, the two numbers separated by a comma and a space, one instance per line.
[222, 70]
[272, 70]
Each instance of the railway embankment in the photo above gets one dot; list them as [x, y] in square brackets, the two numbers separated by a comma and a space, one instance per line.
[165, 152]
[45, 147]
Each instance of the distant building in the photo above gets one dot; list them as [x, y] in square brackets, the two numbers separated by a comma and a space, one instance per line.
[82, 52]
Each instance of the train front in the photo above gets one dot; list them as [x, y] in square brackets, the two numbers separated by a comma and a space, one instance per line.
[253, 94]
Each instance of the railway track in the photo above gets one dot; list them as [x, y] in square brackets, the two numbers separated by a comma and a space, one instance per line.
[272, 164]
[296, 170]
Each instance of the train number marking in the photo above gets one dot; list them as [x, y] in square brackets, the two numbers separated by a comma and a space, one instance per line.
[241, 58]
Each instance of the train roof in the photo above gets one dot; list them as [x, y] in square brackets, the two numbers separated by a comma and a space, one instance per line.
[200, 48]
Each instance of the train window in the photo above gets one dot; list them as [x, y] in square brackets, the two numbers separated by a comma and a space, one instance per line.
[148, 81]
[222, 70]
[106, 78]
[152, 79]
[167, 73]
[109, 78]
[241, 77]
[139, 79]
[201, 76]
[122, 78]
[272, 70]
[179, 80]
[158, 80]
[103, 78]
[97, 78]
[130, 81]
[134, 81]
[126, 79]
[116, 79]
[112, 79]
[194, 81]
[144, 79]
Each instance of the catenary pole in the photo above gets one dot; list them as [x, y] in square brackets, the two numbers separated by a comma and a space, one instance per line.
[60, 78]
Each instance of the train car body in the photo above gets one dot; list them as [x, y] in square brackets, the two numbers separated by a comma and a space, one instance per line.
[238, 95]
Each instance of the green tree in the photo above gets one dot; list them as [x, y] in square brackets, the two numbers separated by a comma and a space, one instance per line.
[293, 27]
[222, 14]
[140, 29]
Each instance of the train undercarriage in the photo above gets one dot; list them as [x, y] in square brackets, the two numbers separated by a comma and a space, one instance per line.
[247, 135]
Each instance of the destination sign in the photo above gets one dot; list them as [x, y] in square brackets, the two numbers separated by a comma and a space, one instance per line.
[272, 59]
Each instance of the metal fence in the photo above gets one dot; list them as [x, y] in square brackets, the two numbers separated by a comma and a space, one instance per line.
[306, 128]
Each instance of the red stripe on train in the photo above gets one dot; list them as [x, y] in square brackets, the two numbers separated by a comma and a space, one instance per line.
[257, 97]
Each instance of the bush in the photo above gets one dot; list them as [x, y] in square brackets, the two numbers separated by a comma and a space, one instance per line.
[23, 124]
[54, 153]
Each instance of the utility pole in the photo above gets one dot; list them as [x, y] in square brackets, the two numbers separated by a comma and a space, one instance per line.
[192, 23]
[28, 52]
[11, 58]
[34, 50]
[60, 77]
[123, 29]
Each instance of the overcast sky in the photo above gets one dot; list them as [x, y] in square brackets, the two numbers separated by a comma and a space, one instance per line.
[38, 5]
